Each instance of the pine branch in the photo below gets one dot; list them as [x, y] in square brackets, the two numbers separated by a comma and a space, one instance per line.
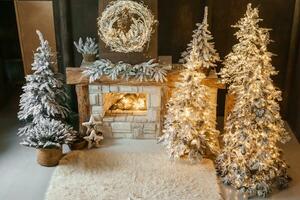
[200, 53]
[149, 70]
[44, 101]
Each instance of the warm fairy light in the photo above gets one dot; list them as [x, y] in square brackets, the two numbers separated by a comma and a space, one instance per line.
[126, 26]
[125, 101]
[187, 112]
[251, 160]
[139, 104]
[193, 56]
[188, 129]
[130, 102]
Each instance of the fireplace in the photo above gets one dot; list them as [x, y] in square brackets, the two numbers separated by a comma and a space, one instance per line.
[116, 103]
[141, 123]
[127, 111]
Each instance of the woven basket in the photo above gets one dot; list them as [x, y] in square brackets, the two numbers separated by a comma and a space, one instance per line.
[49, 157]
[78, 145]
[89, 57]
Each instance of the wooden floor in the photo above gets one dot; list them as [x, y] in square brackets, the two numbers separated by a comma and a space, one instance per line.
[23, 179]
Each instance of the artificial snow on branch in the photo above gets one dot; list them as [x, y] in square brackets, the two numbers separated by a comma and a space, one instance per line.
[49, 133]
[44, 94]
[87, 47]
[44, 98]
[200, 52]
[145, 71]
[251, 160]
[126, 26]
[189, 128]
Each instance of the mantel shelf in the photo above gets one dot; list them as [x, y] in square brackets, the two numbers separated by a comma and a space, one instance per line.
[74, 76]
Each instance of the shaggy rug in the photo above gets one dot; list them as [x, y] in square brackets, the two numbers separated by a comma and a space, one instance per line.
[96, 175]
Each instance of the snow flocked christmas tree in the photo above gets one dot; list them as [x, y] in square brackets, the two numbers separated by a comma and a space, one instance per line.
[189, 131]
[43, 104]
[251, 160]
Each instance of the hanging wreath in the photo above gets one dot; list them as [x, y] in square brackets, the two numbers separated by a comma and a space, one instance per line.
[126, 26]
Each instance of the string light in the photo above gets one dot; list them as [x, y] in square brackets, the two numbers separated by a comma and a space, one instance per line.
[189, 132]
[251, 160]
[126, 26]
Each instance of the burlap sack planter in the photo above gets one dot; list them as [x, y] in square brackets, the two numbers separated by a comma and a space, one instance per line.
[78, 145]
[49, 157]
[89, 57]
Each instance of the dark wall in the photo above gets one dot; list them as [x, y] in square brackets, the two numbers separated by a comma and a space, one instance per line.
[276, 14]
[174, 31]
[84, 15]
[11, 70]
[292, 80]
[176, 23]
[9, 43]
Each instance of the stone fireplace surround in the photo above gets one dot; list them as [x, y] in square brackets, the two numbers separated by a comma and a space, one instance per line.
[146, 126]
[90, 102]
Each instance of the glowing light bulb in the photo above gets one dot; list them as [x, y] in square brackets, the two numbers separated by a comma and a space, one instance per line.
[187, 112]
[139, 104]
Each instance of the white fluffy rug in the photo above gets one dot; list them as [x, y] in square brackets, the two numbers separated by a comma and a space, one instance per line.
[97, 175]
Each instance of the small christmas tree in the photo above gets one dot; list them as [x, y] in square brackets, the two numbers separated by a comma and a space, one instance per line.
[44, 101]
[189, 131]
[251, 160]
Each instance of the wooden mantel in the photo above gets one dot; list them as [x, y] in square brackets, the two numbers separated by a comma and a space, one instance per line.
[75, 77]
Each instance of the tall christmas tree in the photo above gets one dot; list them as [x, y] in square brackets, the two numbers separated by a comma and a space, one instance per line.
[251, 160]
[189, 131]
[43, 103]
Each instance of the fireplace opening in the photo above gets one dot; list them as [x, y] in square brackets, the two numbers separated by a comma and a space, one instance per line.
[125, 104]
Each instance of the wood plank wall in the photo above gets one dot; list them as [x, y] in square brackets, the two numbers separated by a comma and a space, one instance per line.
[292, 92]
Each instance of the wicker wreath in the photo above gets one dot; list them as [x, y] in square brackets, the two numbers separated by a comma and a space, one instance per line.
[126, 26]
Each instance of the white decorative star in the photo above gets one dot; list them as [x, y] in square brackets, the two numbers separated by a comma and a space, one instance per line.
[91, 124]
[93, 139]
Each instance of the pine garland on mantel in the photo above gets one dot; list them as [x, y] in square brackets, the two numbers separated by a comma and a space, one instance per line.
[145, 71]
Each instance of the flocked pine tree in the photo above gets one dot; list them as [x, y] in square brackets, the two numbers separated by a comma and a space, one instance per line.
[251, 160]
[43, 104]
[189, 131]
[200, 51]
